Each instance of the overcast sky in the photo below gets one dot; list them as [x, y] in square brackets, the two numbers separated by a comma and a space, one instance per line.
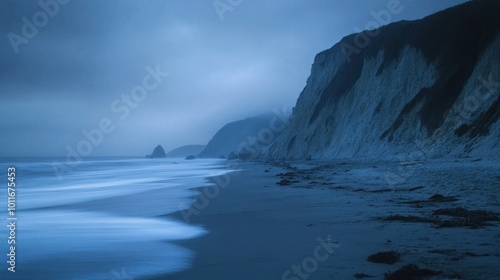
[71, 71]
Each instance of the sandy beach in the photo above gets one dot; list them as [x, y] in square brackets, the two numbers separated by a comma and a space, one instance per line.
[322, 220]
[262, 140]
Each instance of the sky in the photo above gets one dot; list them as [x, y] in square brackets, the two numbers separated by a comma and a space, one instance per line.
[118, 77]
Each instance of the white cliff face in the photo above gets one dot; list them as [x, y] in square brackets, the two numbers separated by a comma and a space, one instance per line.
[353, 126]
[406, 104]
[480, 94]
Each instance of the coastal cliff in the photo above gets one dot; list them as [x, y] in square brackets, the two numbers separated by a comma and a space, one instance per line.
[236, 136]
[428, 87]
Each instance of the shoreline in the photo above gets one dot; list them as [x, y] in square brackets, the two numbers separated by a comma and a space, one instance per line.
[319, 220]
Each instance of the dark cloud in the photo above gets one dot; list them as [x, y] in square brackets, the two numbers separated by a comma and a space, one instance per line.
[92, 52]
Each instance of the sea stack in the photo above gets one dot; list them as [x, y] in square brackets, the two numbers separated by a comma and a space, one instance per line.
[158, 152]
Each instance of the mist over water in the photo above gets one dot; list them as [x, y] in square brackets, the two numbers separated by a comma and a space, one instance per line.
[104, 219]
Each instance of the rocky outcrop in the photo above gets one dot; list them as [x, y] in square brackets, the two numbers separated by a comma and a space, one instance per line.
[158, 152]
[428, 87]
[253, 134]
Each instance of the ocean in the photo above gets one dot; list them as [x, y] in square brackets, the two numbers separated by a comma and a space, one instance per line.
[106, 218]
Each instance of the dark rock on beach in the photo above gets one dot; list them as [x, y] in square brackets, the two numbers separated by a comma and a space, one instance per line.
[389, 257]
[410, 272]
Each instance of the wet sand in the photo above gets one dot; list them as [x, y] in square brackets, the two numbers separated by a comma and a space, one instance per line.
[316, 220]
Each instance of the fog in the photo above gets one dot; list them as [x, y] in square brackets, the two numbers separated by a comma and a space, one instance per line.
[130, 75]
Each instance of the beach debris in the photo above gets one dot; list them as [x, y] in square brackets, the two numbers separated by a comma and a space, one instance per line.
[389, 190]
[287, 178]
[362, 275]
[461, 217]
[437, 198]
[381, 191]
[472, 254]
[287, 174]
[411, 272]
[466, 218]
[411, 163]
[410, 219]
[388, 257]
[285, 182]
[441, 198]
